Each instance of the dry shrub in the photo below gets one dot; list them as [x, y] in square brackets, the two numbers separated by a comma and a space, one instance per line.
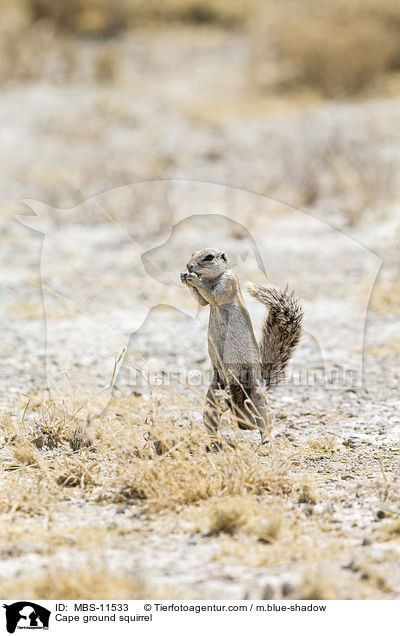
[317, 586]
[91, 583]
[23, 455]
[18, 450]
[345, 171]
[81, 16]
[230, 514]
[337, 47]
[227, 515]
[226, 13]
[106, 64]
[101, 17]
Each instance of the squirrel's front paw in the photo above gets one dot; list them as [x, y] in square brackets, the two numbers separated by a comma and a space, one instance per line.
[189, 278]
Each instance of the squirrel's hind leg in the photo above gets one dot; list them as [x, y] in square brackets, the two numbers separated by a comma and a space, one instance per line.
[213, 408]
[257, 404]
[242, 416]
[250, 408]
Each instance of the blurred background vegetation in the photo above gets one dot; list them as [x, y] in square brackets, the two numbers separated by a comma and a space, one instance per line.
[267, 95]
[337, 47]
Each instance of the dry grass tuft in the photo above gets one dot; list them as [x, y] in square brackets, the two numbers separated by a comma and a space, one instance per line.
[159, 456]
[90, 583]
[106, 64]
[189, 474]
[24, 455]
[269, 527]
[75, 471]
[227, 515]
[306, 494]
[323, 444]
[53, 427]
[317, 587]
[334, 48]
[25, 493]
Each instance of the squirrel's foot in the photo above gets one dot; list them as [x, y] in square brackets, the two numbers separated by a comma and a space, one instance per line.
[215, 446]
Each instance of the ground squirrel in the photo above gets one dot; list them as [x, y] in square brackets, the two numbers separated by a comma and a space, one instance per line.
[243, 369]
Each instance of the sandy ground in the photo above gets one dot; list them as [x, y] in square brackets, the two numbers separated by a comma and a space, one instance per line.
[103, 278]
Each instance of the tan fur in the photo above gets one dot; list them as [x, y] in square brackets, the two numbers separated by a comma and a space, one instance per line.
[241, 367]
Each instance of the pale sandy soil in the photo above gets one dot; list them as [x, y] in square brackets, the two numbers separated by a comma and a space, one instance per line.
[75, 296]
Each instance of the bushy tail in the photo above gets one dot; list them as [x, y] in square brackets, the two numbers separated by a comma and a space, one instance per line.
[281, 332]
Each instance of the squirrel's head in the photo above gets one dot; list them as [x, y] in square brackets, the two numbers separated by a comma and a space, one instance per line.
[209, 263]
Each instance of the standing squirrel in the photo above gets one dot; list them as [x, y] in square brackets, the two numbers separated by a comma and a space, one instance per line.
[242, 368]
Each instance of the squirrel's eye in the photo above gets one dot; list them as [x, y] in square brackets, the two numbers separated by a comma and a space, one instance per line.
[223, 256]
[209, 257]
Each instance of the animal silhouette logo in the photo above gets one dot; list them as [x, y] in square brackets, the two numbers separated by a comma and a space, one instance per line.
[110, 291]
[26, 615]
